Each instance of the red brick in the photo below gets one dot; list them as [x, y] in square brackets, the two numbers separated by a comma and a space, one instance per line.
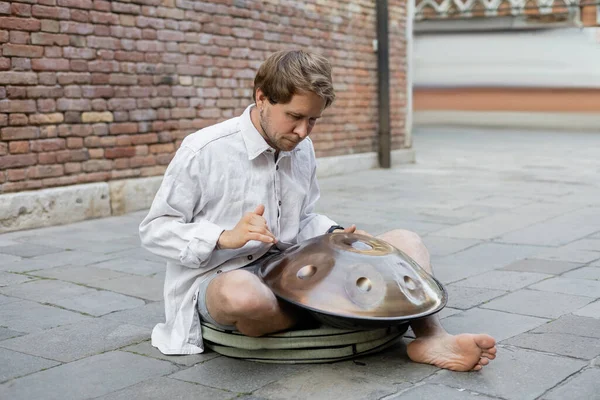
[124, 8]
[99, 105]
[19, 186]
[74, 142]
[50, 64]
[97, 91]
[38, 146]
[16, 174]
[80, 16]
[4, 7]
[16, 92]
[119, 152]
[49, 131]
[75, 130]
[45, 171]
[18, 78]
[18, 147]
[21, 10]
[72, 168]
[3, 36]
[17, 160]
[103, 66]
[124, 140]
[73, 105]
[40, 11]
[78, 65]
[162, 148]
[123, 128]
[78, 52]
[121, 104]
[49, 25]
[20, 24]
[45, 91]
[17, 106]
[3, 120]
[101, 5]
[73, 78]
[49, 39]
[76, 28]
[22, 50]
[146, 138]
[47, 78]
[11, 133]
[60, 181]
[104, 18]
[142, 161]
[4, 64]
[46, 105]
[17, 119]
[64, 156]
[96, 165]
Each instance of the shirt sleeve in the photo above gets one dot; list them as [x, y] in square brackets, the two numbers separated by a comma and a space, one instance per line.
[170, 230]
[311, 223]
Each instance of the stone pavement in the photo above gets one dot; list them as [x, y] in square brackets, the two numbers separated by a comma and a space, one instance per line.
[513, 223]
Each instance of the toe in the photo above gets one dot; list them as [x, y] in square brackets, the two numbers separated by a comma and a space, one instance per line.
[488, 355]
[485, 341]
[483, 361]
[477, 367]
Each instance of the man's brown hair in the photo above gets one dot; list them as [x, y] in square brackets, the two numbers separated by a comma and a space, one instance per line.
[290, 72]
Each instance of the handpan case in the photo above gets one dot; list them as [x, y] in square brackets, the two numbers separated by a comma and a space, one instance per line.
[353, 281]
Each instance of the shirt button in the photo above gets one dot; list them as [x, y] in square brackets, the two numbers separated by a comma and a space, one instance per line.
[277, 167]
[279, 202]
[250, 258]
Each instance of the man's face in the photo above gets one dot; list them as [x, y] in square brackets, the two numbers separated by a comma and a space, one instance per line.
[285, 125]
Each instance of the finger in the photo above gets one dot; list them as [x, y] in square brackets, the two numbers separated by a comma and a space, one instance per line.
[257, 220]
[260, 238]
[262, 230]
[350, 229]
[260, 209]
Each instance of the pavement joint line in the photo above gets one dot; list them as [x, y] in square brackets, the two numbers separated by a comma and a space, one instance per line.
[34, 372]
[545, 352]
[565, 380]
[67, 309]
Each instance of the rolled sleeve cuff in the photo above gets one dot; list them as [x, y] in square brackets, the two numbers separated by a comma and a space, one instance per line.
[316, 227]
[200, 248]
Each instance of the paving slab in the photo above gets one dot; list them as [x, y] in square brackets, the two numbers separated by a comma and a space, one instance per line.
[15, 364]
[463, 298]
[147, 316]
[448, 311]
[6, 333]
[132, 266]
[578, 287]
[7, 299]
[75, 341]
[73, 257]
[542, 266]
[327, 382]
[432, 391]
[146, 349]
[444, 246]
[572, 325]
[537, 303]
[30, 265]
[134, 285]
[503, 280]
[9, 279]
[91, 377]
[100, 302]
[6, 258]
[28, 316]
[592, 273]
[80, 274]
[581, 386]
[235, 375]
[592, 310]
[558, 343]
[515, 374]
[27, 250]
[499, 324]
[166, 388]
[46, 290]
[568, 253]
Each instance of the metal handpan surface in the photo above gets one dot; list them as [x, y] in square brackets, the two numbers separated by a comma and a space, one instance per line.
[350, 280]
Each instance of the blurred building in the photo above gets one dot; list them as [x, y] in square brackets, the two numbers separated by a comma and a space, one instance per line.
[507, 63]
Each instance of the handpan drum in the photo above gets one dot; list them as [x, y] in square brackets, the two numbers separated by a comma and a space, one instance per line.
[353, 281]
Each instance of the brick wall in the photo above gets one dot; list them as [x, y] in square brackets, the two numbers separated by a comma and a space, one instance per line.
[94, 90]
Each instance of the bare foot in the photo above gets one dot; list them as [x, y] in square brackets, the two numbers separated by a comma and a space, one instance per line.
[465, 352]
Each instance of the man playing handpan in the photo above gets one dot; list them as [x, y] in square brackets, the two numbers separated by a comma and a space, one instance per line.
[238, 191]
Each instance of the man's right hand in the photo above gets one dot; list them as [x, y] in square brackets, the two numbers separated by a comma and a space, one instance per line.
[252, 226]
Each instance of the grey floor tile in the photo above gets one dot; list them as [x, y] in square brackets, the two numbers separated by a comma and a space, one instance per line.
[8, 258]
[15, 364]
[147, 316]
[498, 324]
[569, 254]
[7, 299]
[100, 302]
[166, 388]
[558, 343]
[328, 382]
[542, 266]
[592, 273]
[592, 310]
[8, 279]
[444, 246]
[27, 316]
[80, 274]
[30, 264]
[136, 286]
[514, 374]
[431, 391]
[235, 375]
[463, 297]
[448, 311]
[572, 325]
[580, 386]
[139, 253]
[132, 266]
[46, 290]
[146, 349]
[6, 333]
[75, 341]
[28, 250]
[73, 258]
[503, 280]
[538, 303]
[578, 287]
[91, 377]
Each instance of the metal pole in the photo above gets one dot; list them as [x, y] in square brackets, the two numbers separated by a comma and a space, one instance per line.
[383, 75]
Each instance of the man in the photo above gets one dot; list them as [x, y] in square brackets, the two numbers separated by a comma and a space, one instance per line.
[240, 190]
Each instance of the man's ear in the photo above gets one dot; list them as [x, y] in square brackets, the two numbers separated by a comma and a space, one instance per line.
[261, 98]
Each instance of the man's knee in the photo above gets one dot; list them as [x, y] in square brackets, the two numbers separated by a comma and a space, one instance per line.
[241, 293]
[403, 238]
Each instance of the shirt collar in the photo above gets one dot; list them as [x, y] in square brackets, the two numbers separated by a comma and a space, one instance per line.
[255, 143]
